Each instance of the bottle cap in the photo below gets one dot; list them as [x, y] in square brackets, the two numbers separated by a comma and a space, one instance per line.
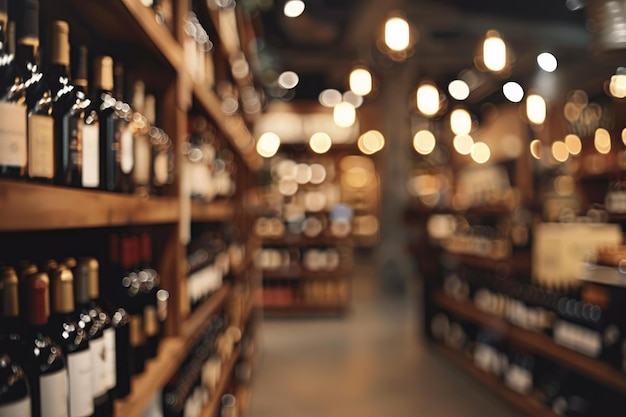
[28, 25]
[62, 290]
[38, 298]
[9, 291]
[4, 10]
[60, 50]
[80, 78]
[103, 73]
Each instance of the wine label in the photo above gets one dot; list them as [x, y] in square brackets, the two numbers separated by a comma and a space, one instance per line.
[142, 160]
[53, 394]
[111, 358]
[91, 156]
[19, 408]
[73, 127]
[80, 383]
[160, 168]
[126, 151]
[99, 366]
[13, 135]
[40, 146]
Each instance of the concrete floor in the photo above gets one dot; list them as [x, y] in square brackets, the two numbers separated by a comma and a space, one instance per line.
[370, 363]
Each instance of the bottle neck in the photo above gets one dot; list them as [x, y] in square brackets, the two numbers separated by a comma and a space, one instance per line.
[26, 57]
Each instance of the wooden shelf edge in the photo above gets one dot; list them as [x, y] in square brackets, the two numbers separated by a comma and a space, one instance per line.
[536, 342]
[307, 241]
[213, 211]
[304, 274]
[212, 406]
[158, 371]
[194, 323]
[520, 402]
[160, 35]
[304, 308]
[29, 206]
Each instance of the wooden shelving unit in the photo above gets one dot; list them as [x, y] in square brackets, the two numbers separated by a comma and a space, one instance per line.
[194, 324]
[294, 272]
[303, 309]
[210, 410]
[212, 212]
[301, 240]
[26, 206]
[535, 342]
[519, 402]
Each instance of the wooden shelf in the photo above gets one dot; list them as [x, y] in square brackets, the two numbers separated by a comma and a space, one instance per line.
[300, 240]
[210, 410]
[517, 263]
[303, 309]
[212, 212]
[158, 371]
[535, 342]
[28, 206]
[520, 402]
[295, 272]
[194, 324]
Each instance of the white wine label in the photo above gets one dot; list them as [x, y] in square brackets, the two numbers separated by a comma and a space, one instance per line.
[79, 368]
[16, 409]
[91, 156]
[99, 366]
[40, 146]
[53, 394]
[126, 151]
[142, 160]
[13, 135]
[109, 343]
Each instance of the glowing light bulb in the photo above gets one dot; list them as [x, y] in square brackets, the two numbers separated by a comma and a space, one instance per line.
[320, 142]
[460, 122]
[397, 34]
[344, 114]
[494, 52]
[361, 81]
[424, 142]
[428, 99]
[268, 144]
[535, 109]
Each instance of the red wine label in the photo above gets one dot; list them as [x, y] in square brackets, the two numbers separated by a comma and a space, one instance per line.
[79, 369]
[91, 156]
[109, 344]
[40, 146]
[53, 394]
[12, 135]
[16, 409]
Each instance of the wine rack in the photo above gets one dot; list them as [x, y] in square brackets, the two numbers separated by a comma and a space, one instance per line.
[153, 52]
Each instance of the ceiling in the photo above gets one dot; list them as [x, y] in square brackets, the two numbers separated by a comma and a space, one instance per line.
[331, 36]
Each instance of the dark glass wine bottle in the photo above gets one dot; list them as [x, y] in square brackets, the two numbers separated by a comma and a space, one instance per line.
[14, 389]
[116, 144]
[10, 334]
[112, 299]
[47, 374]
[68, 332]
[96, 322]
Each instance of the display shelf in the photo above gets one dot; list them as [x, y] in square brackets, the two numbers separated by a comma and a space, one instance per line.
[194, 324]
[295, 272]
[520, 402]
[158, 371]
[518, 263]
[535, 342]
[212, 212]
[28, 206]
[301, 240]
[303, 309]
[212, 407]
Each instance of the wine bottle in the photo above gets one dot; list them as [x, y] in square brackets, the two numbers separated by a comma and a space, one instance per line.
[47, 374]
[162, 152]
[10, 334]
[96, 322]
[142, 146]
[135, 302]
[151, 289]
[14, 389]
[115, 137]
[40, 126]
[67, 330]
[13, 104]
[113, 297]
[123, 125]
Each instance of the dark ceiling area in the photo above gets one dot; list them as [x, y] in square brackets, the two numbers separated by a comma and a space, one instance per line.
[331, 36]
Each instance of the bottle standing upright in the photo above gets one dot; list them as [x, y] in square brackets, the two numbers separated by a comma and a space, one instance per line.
[47, 374]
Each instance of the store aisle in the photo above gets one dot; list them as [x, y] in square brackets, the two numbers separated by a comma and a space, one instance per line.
[372, 363]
